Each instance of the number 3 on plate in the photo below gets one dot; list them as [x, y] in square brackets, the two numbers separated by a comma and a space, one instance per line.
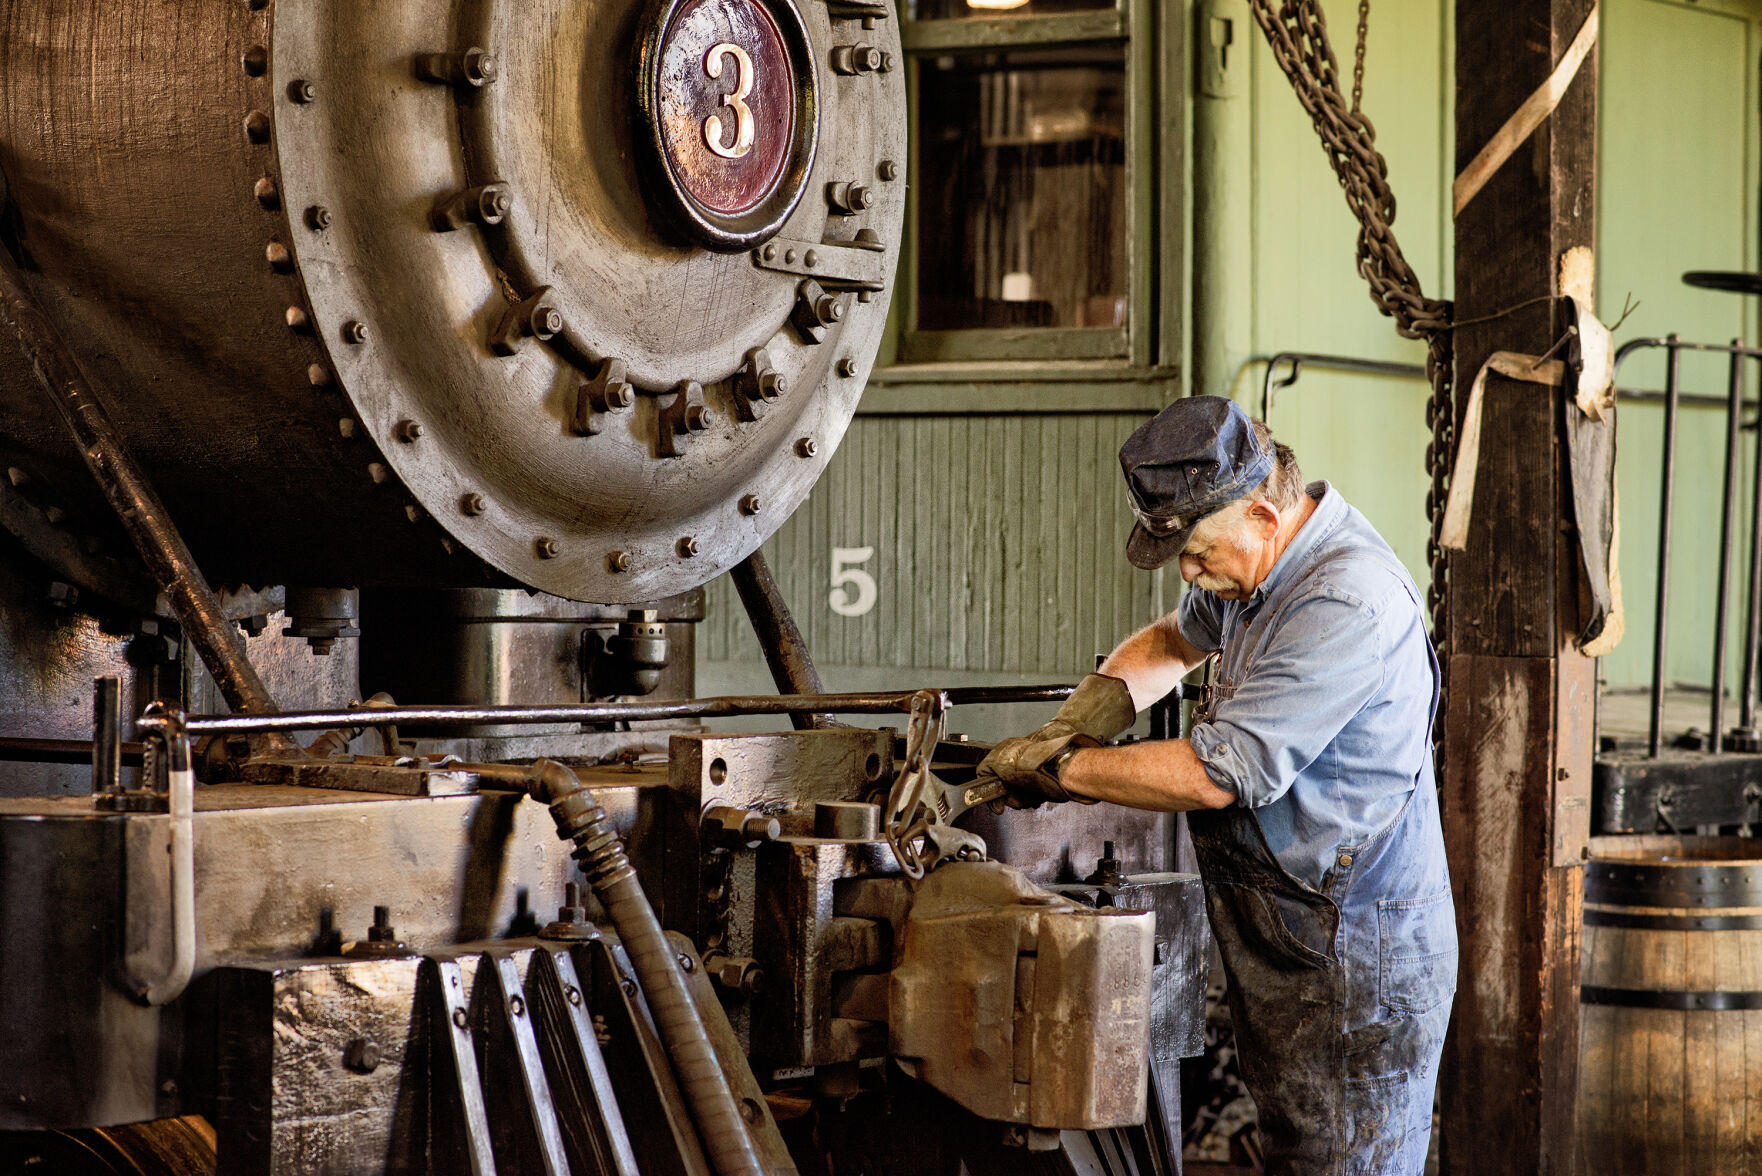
[743, 115]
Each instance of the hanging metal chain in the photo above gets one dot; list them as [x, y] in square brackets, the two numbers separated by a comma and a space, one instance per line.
[1358, 62]
[1298, 34]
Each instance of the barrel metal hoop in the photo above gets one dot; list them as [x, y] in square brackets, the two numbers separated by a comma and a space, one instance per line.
[1653, 884]
[1673, 922]
[1631, 998]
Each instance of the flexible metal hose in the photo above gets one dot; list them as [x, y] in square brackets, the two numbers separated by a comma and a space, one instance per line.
[600, 854]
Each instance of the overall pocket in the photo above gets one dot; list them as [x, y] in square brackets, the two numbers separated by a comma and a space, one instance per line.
[1416, 944]
[1259, 921]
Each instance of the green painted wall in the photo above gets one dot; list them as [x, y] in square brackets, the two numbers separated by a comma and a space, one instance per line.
[996, 534]
[1678, 191]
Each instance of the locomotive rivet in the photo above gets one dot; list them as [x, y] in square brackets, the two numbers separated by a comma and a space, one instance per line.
[810, 259]
[256, 61]
[408, 431]
[789, 257]
[413, 512]
[546, 547]
[847, 367]
[770, 253]
[298, 319]
[318, 376]
[459, 1018]
[806, 447]
[354, 332]
[378, 472]
[517, 1005]
[318, 218]
[258, 5]
[472, 504]
[280, 260]
[267, 194]
[572, 994]
[257, 127]
[686, 547]
[302, 91]
[750, 504]
[887, 170]
[687, 963]
[618, 561]
[346, 427]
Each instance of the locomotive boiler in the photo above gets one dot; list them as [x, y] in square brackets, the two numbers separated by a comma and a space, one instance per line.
[382, 381]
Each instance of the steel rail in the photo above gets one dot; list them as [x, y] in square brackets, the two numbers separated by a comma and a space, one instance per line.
[727, 706]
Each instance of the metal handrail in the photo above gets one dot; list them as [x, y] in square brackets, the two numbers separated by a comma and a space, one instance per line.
[1340, 363]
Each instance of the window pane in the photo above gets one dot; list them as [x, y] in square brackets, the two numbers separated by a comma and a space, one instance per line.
[1022, 190]
[954, 9]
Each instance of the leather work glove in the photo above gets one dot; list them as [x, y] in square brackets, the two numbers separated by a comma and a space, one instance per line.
[1030, 767]
[1099, 709]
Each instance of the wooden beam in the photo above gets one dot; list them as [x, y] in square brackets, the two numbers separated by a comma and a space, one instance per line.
[1519, 738]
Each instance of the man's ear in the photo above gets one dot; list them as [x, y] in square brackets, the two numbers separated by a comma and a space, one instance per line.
[1265, 517]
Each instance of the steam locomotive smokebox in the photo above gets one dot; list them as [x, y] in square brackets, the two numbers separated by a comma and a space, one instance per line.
[576, 296]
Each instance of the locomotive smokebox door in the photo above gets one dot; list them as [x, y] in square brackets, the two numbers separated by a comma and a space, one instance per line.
[573, 296]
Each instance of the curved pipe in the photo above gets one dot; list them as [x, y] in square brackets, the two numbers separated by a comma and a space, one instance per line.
[600, 854]
[163, 726]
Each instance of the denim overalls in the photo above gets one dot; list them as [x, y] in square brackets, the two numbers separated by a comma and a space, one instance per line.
[1340, 992]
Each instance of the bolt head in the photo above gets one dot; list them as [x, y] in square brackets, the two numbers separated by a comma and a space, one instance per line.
[355, 333]
[750, 504]
[472, 504]
[618, 561]
[408, 431]
[806, 447]
[545, 546]
[860, 197]
[620, 395]
[887, 170]
[847, 367]
[318, 218]
[698, 418]
[480, 68]
[546, 321]
[687, 547]
[302, 91]
[460, 1019]
[687, 963]
[362, 1055]
[869, 57]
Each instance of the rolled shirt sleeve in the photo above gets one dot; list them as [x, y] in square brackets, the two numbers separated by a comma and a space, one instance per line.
[1319, 670]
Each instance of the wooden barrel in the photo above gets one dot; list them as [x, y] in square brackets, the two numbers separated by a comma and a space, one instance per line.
[1670, 1030]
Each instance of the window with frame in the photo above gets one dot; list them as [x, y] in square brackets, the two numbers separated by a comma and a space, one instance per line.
[1025, 191]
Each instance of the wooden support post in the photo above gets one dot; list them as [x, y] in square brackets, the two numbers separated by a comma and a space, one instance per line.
[1519, 718]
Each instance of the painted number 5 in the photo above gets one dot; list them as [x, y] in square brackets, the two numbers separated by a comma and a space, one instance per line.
[845, 578]
[743, 115]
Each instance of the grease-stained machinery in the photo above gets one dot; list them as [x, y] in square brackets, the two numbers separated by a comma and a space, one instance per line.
[349, 348]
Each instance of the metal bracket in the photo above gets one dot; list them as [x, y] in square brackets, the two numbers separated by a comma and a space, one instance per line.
[451, 1028]
[680, 417]
[607, 391]
[834, 265]
[594, 1133]
[756, 384]
[535, 1134]
[537, 317]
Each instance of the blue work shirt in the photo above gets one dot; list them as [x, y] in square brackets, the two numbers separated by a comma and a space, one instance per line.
[1321, 717]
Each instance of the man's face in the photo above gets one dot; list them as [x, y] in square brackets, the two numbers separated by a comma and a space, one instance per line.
[1231, 552]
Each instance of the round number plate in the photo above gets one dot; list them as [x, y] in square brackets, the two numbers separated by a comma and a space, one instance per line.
[727, 114]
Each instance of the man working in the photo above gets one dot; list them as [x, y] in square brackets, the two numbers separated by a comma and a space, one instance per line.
[1308, 777]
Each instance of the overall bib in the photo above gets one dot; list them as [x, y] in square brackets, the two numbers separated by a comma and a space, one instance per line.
[1341, 1060]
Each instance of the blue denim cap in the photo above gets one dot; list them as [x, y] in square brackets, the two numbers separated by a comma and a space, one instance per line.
[1190, 460]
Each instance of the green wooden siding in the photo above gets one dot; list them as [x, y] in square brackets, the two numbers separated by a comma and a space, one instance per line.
[998, 548]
